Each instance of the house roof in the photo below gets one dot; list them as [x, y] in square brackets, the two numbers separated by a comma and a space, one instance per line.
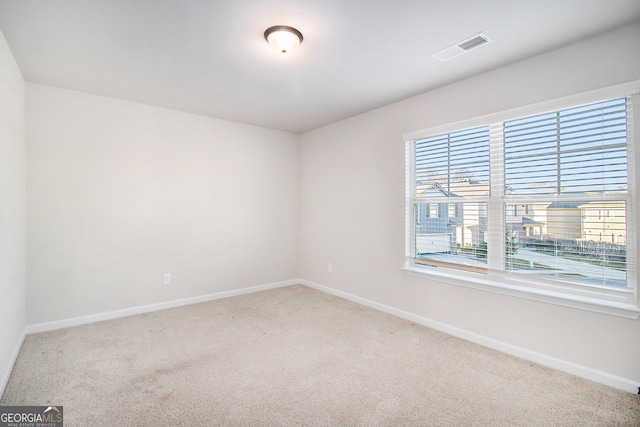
[436, 190]
[529, 221]
[565, 205]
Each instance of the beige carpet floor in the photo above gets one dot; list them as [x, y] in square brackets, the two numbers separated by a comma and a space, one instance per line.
[295, 356]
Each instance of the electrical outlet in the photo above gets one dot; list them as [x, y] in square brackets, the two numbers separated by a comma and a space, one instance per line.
[330, 268]
[167, 278]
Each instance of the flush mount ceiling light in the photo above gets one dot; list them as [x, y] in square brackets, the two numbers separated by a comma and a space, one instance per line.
[282, 38]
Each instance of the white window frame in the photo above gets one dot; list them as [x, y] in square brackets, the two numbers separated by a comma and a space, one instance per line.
[617, 302]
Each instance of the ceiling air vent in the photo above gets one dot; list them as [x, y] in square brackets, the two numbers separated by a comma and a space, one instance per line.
[474, 42]
[462, 47]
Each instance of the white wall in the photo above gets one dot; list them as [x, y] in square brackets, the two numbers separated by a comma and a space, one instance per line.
[12, 210]
[352, 207]
[119, 193]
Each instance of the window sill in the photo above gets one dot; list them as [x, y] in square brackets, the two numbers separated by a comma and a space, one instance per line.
[498, 285]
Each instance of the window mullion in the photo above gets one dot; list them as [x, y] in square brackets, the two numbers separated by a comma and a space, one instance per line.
[558, 163]
[410, 188]
[495, 209]
[633, 159]
[449, 164]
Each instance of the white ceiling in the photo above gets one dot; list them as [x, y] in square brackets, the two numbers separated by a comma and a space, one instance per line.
[210, 57]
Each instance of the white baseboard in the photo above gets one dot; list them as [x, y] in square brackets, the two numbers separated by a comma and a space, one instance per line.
[66, 323]
[552, 362]
[543, 359]
[5, 375]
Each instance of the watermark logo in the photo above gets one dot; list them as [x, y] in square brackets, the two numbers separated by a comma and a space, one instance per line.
[31, 416]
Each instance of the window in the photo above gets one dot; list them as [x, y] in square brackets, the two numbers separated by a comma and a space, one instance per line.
[451, 180]
[541, 203]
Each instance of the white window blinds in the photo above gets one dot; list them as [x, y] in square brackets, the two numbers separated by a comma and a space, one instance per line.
[577, 150]
[546, 197]
[451, 187]
[447, 160]
[572, 165]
